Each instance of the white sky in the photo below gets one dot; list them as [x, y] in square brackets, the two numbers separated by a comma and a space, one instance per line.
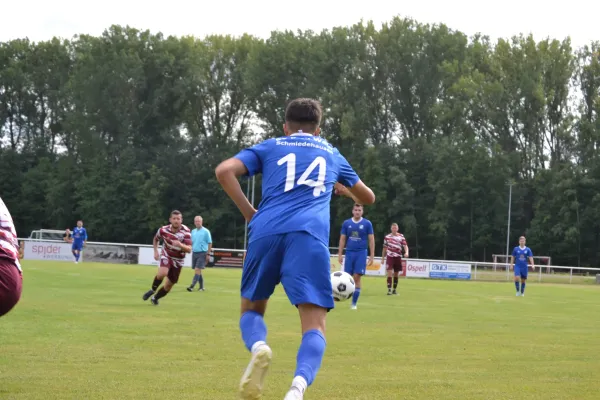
[41, 19]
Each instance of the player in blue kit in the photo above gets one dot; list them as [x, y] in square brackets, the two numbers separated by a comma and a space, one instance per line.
[79, 237]
[289, 237]
[356, 235]
[521, 257]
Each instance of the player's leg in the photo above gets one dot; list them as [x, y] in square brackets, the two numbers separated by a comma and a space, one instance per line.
[307, 282]
[75, 251]
[11, 282]
[360, 268]
[389, 268]
[173, 272]
[199, 267]
[517, 278]
[163, 271]
[523, 277]
[397, 268]
[260, 276]
[195, 277]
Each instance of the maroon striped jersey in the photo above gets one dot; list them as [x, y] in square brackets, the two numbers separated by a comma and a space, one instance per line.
[395, 245]
[9, 245]
[168, 236]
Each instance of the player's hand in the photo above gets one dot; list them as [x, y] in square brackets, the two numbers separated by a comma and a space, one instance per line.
[370, 262]
[340, 258]
[250, 213]
[340, 189]
[405, 255]
[510, 268]
[156, 256]
[207, 258]
[176, 243]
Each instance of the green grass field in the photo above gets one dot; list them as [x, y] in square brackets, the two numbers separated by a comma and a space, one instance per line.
[83, 332]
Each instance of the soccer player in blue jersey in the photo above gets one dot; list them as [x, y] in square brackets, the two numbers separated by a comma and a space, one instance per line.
[356, 235]
[520, 258]
[79, 237]
[289, 237]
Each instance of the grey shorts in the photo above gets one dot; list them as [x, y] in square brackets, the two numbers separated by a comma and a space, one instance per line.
[199, 260]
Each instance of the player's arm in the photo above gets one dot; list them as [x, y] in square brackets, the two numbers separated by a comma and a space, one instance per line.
[186, 245]
[360, 192]
[227, 174]
[512, 262]
[342, 244]
[155, 242]
[85, 236]
[531, 260]
[405, 249]
[371, 248]
[384, 252]
[209, 247]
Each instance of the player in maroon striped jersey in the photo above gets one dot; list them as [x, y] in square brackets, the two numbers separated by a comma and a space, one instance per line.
[394, 247]
[11, 278]
[177, 241]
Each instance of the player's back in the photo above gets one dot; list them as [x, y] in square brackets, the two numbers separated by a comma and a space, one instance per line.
[9, 245]
[299, 172]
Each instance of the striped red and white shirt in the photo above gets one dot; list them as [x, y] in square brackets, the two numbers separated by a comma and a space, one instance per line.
[394, 245]
[168, 236]
[9, 245]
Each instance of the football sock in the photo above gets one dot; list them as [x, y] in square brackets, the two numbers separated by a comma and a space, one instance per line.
[517, 286]
[389, 282]
[156, 283]
[355, 296]
[161, 293]
[194, 280]
[395, 282]
[310, 356]
[522, 287]
[77, 256]
[253, 328]
[201, 281]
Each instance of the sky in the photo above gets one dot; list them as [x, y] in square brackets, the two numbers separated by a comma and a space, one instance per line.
[41, 20]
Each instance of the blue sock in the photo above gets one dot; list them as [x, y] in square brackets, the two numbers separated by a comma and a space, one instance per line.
[194, 280]
[253, 328]
[517, 285]
[355, 296]
[310, 355]
[522, 287]
[77, 257]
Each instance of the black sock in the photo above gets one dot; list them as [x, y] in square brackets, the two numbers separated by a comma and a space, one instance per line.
[161, 293]
[156, 283]
[395, 282]
[389, 282]
[201, 281]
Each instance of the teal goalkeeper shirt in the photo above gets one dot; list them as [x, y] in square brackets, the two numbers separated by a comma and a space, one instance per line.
[200, 240]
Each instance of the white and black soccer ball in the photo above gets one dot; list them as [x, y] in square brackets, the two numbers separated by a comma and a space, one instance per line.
[343, 285]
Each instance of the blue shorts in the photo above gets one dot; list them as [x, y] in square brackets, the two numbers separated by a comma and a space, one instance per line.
[298, 260]
[77, 246]
[355, 262]
[521, 271]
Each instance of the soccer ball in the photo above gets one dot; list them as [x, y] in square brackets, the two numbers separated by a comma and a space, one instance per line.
[343, 285]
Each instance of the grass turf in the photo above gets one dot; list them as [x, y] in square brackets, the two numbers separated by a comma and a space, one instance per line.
[83, 332]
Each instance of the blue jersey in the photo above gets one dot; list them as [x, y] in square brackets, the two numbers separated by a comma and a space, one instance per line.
[521, 256]
[79, 235]
[299, 172]
[357, 234]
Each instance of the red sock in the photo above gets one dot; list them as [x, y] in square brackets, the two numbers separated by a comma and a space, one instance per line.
[389, 282]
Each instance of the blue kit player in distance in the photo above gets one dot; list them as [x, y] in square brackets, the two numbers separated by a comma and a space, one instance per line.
[289, 237]
[79, 237]
[521, 257]
[356, 235]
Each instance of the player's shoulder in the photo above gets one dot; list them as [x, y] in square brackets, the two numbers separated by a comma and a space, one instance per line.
[185, 229]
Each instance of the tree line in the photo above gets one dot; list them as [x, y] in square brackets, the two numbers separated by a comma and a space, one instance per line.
[122, 128]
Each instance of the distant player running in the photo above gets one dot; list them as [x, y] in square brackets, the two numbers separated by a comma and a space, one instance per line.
[394, 247]
[289, 237]
[356, 236]
[11, 278]
[520, 257]
[79, 237]
[177, 241]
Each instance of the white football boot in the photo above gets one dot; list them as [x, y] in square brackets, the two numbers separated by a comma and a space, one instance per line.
[251, 385]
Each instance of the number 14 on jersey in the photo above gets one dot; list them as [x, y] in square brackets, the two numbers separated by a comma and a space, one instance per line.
[319, 184]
